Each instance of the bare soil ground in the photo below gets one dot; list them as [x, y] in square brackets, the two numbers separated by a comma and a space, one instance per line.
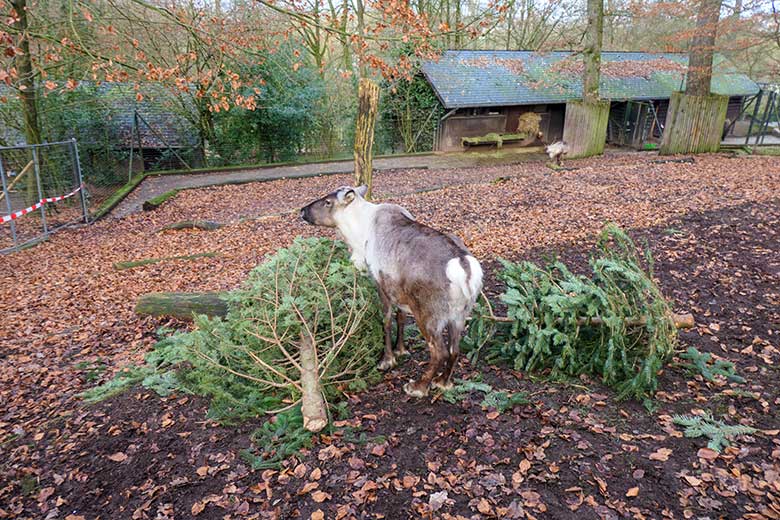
[572, 452]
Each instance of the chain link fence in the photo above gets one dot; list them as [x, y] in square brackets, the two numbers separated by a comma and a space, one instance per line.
[42, 191]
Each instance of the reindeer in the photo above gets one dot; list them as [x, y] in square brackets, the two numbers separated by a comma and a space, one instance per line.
[418, 271]
[557, 151]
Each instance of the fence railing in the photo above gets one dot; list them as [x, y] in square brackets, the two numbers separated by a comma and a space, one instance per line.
[42, 191]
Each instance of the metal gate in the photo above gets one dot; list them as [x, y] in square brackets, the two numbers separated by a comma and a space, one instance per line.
[42, 191]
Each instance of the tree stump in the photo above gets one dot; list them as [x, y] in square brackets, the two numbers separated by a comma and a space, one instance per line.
[694, 124]
[368, 105]
[585, 128]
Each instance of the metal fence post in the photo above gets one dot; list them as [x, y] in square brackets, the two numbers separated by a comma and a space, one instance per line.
[7, 197]
[37, 172]
[77, 165]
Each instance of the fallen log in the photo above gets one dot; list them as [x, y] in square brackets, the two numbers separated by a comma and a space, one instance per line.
[205, 225]
[137, 263]
[184, 305]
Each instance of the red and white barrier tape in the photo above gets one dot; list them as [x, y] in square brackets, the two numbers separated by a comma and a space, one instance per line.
[25, 211]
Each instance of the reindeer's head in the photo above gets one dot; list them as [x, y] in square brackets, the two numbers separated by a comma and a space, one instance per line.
[322, 212]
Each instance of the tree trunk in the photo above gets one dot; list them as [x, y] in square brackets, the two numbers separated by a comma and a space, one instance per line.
[585, 128]
[592, 52]
[702, 49]
[315, 415]
[182, 305]
[368, 105]
[27, 89]
[694, 121]
[694, 124]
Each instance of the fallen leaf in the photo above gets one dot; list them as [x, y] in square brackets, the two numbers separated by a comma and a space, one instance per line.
[707, 454]
[437, 500]
[484, 506]
[661, 454]
[693, 481]
[378, 450]
[320, 496]
[118, 457]
[202, 471]
[197, 508]
[318, 515]
[634, 491]
[308, 487]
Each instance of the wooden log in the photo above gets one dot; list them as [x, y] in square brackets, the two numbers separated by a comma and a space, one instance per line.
[368, 106]
[147, 261]
[694, 124]
[585, 127]
[315, 415]
[182, 305]
[205, 225]
[159, 200]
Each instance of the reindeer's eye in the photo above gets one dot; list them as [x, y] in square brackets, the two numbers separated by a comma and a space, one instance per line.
[327, 202]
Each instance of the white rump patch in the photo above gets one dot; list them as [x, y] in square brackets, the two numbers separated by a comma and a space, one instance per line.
[464, 286]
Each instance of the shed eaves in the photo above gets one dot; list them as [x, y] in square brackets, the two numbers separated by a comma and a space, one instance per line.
[506, 78]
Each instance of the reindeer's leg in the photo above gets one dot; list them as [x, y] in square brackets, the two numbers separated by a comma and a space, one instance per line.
[388, 361]
[444, 381]
[438, 351]
[400, 319]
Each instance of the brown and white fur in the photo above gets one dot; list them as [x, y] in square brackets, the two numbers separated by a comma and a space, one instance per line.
[418, 270]
[557, 151]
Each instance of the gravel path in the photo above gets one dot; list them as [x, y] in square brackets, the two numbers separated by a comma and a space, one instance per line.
[154, 186]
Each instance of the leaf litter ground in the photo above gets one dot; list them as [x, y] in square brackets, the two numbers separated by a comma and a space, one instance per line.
[572, 452]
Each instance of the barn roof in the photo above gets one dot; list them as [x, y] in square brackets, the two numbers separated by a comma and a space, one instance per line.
[505, 78]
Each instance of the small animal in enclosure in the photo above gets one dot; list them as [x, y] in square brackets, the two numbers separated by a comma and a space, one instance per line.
[418, 270]
[557, 151]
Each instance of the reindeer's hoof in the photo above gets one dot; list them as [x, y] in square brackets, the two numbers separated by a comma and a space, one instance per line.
[401, 352]
[387, 363]
[412, 390]
[442, 385]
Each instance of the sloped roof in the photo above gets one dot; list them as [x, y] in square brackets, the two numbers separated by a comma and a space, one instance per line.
[505, 78]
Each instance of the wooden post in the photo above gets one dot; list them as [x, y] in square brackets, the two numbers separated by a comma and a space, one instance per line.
[585, 127]
[694, 124]
[368, 106]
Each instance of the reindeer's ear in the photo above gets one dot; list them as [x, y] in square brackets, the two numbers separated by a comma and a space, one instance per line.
[362, 190]
[349, 196]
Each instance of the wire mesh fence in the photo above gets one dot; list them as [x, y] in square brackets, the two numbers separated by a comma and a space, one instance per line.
[42, 191]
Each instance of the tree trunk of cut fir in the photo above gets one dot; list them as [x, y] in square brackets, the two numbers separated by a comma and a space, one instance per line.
[214, 304]
[592, 51]
[702, 48]
[694, 124]
[182, 305]
[315, 415]
[368, 105]
[585, 127]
